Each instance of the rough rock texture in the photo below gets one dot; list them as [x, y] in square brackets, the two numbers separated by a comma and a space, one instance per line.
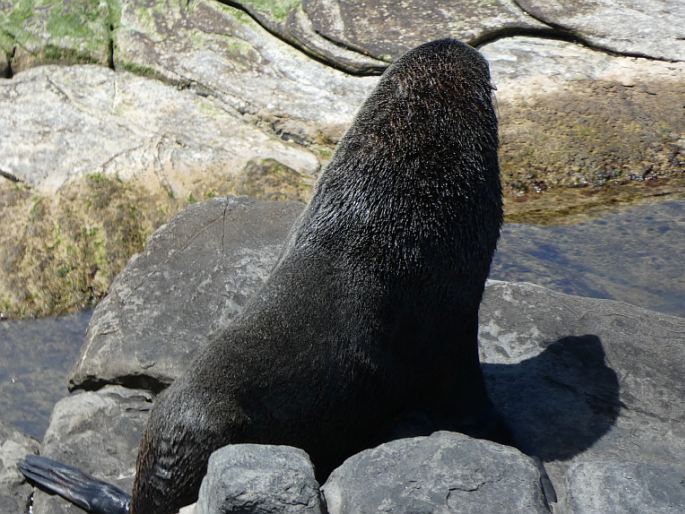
[35, 32]
[614, 487]
[570, 116]
[288, 20]
[98, 433]
[582, 379]
[93, 120]
[441, 474]
[259, 479]
[194, 276]
[635, 27]
[14, 491]
[220, 51]
[385, 29]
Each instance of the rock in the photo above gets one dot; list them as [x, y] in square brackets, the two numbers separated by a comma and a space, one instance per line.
[563, 107]
[630, 27]
[99, 433]
[36, 357]
[583, 379]
[14, 491]
[444, 473]
[259, 479]
[615, 487]
[290, 22]
[220, 51]
[46, 31]
[195, 275]
[123, 125]
[385, 31]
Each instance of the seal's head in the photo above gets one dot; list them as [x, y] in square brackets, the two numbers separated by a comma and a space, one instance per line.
[435, 99]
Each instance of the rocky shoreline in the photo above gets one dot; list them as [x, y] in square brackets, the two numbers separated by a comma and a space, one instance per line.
[593, 387]
[126, 121]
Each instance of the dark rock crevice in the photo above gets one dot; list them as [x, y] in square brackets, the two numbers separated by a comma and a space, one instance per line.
[563, 33]
[357, 70]
[10, 176]
[133, 381]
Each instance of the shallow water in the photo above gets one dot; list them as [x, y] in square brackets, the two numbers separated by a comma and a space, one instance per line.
[634, 255]
[35, 358]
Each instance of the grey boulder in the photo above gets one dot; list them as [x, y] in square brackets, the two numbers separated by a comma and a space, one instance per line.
[195, 275]
[14, 491]
[259, 479]
[444, 473]
[99, 433]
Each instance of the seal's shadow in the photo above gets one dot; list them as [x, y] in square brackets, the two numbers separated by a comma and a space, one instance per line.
[559, 403]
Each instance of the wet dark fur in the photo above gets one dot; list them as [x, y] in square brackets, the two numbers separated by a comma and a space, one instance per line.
[367, 327]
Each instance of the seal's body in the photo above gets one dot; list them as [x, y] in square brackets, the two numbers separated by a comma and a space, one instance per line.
[367, 327]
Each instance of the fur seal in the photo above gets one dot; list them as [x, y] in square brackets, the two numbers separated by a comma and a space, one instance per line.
[366, 328]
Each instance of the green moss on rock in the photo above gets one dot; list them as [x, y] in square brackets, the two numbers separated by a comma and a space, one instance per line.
[278, 10]
[49, 31]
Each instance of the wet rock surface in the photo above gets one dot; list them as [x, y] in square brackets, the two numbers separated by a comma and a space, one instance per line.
[626, 255]
[571, 117]
[444, 473]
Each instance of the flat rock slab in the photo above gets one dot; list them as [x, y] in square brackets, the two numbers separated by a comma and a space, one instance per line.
[14, 491]
[613, 487]
[194, 276]
[385, 29]
[289, 21]
[634, 27]
[582, 379]
[442, 474]
[99, 433]
[221, 51]
[259, 479]
[93, 120]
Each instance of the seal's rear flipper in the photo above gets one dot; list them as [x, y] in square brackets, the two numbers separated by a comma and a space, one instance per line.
[86, 491]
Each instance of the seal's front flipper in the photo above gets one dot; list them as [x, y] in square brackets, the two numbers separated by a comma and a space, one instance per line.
[86, 491]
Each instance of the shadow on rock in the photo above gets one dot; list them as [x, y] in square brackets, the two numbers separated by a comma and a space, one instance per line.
[560, 402]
